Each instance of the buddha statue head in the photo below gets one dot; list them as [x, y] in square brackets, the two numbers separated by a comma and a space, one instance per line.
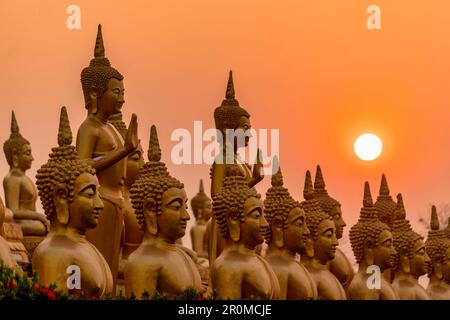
[159, 200]
[371, 240]
[329, 205]
[135, 160]
[411, 255]
[17, 149]
[201, 205]
[68, 186]
[438, 248]
[102, 84]
[230, 115]
[385, 205]
[239, 210]
[287, 220]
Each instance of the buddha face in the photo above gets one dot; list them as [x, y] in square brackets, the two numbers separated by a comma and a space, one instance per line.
[112, 100]
[420, 260]
[255, 224]
[86, 205]
[384, 252]
[134, 163]
[336, 214]
[205, 210]
[244, 125]
[297, 233]
[326, 243]
[174, 216]
[23, 158]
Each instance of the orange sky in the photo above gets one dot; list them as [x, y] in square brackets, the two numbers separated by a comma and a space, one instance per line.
[309, 68]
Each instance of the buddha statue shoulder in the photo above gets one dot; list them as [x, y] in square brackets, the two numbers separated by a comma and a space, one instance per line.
[102, 146]
[286, 239]
[68, 189]
[238, 272]
[233, 125]
[159, 200]
[340, 266]
[437, 247]
[20, 191]
[412, 260]
[373, 246]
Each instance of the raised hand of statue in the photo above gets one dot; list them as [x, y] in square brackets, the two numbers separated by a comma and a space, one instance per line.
[131, 139]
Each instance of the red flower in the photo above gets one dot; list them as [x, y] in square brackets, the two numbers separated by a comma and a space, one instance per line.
[36, 287]
[200, 298]
[50, 294]
[12, 285]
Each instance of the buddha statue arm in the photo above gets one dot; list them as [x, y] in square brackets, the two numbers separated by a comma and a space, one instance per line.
[86, 142]
[226, 283]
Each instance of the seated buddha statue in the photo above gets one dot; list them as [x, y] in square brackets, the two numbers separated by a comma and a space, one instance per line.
[6, 256]
[437, 247]
[286, 238]
[68, 189]
[372, 245]
[233, 123]
[239, 272]
[202, 209]
[412, 260]
[340, 266]
[132, 234]
[322, 246]
[20, 191]
[159, 201]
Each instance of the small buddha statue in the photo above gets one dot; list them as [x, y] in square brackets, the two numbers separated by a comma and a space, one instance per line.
[324, 243]
[239, 272]
[438, 248]
[20, 191]
[6, 256]
[372, 245]
[68, 189]
[287, 235]
[202, 209]
[159, 202]
[412, 260]
[230, 116]
[340, 266]
[102, 146]
[132, 233]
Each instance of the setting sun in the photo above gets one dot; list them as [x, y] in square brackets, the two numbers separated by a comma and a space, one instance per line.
[368, 147]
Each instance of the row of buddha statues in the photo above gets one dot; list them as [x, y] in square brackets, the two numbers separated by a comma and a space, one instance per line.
[120, 219]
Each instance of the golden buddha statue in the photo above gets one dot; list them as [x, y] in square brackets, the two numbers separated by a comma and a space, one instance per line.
[68, 189]
[103, 147]
[287, 235]
[372, 245]
[385, 205]
[324, 243]
[159, 202]
[202, 209]
[20, 191]
[438, 248]
[412, 260]
[6, 256]
[230, 115]
[132, 233]
[239, 272]
[340, 266]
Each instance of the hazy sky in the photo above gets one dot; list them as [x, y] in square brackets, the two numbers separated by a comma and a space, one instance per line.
[311, 69]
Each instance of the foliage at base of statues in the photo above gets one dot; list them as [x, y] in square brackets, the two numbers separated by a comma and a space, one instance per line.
[14, 286]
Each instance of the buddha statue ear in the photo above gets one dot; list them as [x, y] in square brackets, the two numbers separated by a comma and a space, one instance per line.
[368, 251]
[93, 96]
[234, 227]
[277, 232]
[309, 248]
[437, 268]
[404, 262]
[15, 160]
[151, 221]
[61, 201]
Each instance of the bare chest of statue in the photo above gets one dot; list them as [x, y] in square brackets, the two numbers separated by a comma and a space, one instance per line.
[260, 282]
[328, 286]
